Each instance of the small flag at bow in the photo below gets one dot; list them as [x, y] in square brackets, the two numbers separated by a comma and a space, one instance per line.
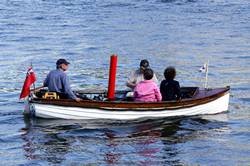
[30, 79]
[203, 69]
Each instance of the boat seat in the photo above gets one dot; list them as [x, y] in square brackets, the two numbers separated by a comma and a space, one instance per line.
[188, 92]
[51, 95]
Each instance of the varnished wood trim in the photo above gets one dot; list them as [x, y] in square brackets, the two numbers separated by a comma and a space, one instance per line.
[132, 105]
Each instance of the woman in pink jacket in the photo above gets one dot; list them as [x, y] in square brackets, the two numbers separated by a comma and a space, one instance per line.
[147, 90]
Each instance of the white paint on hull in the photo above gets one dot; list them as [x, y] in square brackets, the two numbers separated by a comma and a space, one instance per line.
[53, 111]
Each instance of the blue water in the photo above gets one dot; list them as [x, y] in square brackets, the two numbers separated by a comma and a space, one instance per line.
[181, 33]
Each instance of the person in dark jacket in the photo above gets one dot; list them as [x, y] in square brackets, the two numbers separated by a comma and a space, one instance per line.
[58, 81]
[170, 88]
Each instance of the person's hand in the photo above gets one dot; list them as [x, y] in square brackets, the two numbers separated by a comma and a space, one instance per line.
[131, 85]
[78, 99]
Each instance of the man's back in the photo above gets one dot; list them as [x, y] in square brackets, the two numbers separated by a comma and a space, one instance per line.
[57, 81]
[54, 80]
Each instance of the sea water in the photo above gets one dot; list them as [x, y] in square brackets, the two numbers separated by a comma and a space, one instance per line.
[181, 33]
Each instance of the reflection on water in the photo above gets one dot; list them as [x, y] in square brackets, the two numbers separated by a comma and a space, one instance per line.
[152, 142]
[182, 33]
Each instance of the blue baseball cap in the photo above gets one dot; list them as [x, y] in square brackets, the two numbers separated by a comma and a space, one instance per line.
[62, 61]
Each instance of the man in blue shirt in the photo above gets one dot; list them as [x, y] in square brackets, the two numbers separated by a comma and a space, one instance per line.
[57, 81]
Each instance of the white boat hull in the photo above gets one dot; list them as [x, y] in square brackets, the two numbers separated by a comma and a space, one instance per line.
[53, 111]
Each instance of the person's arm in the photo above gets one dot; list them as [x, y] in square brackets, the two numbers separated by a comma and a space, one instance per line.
[131, 82]
[131, 85]
[135, 91]
[155, 79]
[66, 87]
[162, 90]
[158, 94]
[178, 90]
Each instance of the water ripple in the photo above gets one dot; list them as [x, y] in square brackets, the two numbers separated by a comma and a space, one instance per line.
[180, 33]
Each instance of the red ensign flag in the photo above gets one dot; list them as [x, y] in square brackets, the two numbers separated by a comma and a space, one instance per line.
[30, 79]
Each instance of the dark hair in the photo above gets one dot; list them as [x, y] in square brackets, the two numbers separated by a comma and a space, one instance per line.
[148, 74]
[61, 61]
[170, 73]
[144, 63]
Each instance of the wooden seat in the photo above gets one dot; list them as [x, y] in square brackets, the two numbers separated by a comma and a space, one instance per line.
[51, 95]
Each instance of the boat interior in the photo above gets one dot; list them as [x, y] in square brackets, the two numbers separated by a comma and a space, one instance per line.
[101, 95]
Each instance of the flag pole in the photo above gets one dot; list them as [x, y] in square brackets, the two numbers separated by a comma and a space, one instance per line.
[206, 78]
[34, 86]
[29, 80]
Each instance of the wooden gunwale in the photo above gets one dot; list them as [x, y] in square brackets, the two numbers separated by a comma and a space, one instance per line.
[132, 105]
